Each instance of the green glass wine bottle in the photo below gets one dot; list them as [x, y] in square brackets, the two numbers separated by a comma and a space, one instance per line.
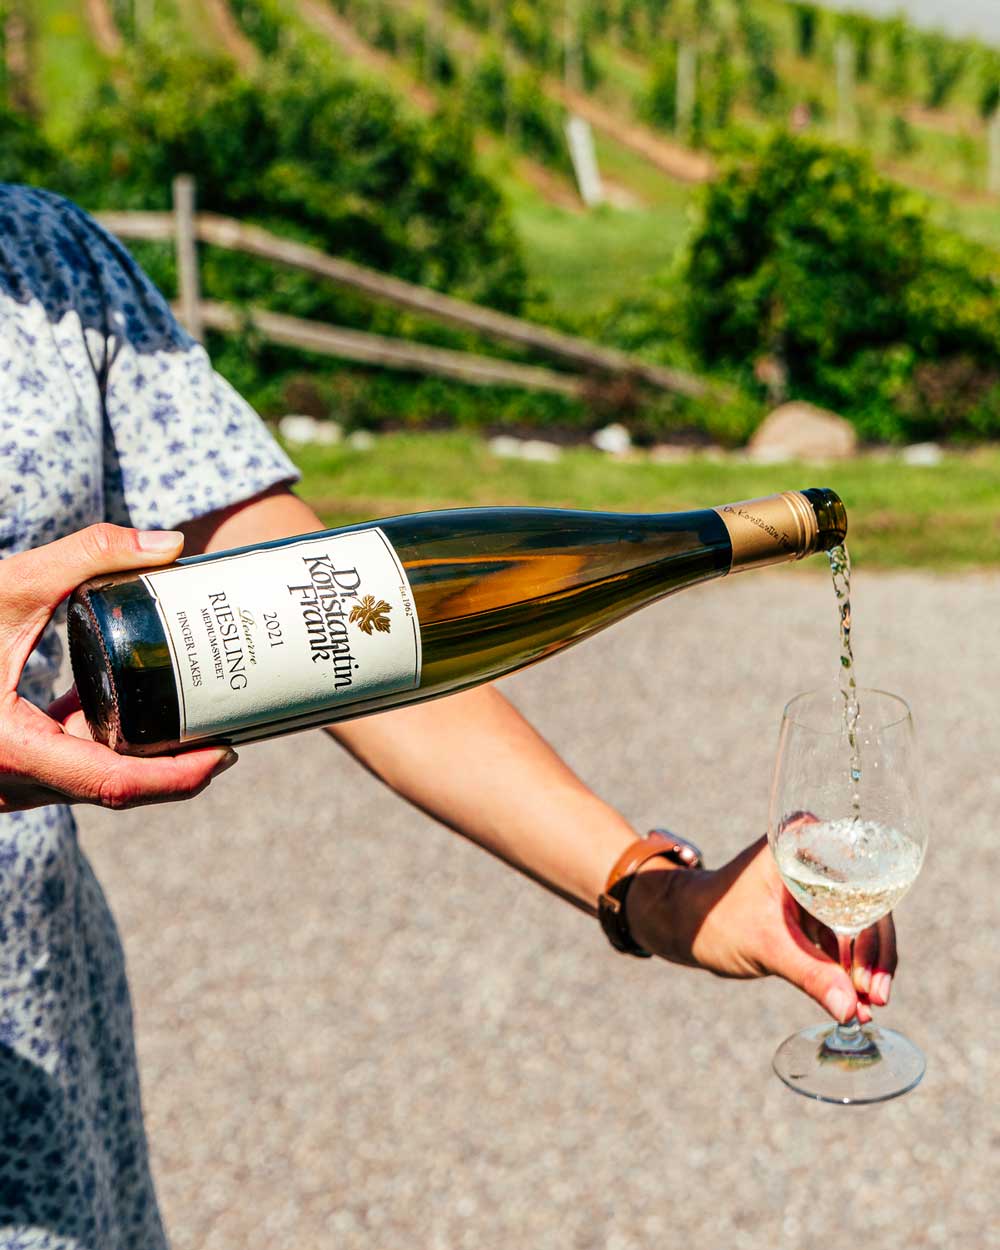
[264, 640]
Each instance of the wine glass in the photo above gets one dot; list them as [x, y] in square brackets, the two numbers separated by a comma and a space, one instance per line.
[847, 830]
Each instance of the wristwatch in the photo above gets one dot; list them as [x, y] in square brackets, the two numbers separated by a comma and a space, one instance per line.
[611, 904]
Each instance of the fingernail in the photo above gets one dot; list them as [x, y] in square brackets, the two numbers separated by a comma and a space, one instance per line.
[158, 541]
[228, 759]
[840, 1004]
[881, 985]
[863, 979]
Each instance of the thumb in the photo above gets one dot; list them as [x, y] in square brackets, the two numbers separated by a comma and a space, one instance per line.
[34, 583]
[817, 975]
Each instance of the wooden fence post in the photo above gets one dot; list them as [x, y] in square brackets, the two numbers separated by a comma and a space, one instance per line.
[993, 140]
[845, 56]
[687, 90]
[189, 295]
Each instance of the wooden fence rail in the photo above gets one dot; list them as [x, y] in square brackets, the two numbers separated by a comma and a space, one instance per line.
[377, 349]
[184, 226]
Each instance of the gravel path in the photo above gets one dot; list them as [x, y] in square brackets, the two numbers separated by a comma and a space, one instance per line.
[357, 1032]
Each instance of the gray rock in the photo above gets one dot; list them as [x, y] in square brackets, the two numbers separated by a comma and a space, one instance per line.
[800, 431]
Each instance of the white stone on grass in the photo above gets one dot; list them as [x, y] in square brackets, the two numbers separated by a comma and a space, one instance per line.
[614, 439]
[538, 450]
[509, 448]
[298, 429]
[506, 447]
[922, 455]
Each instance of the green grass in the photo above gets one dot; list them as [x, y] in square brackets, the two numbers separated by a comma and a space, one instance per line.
[583, 261]
[69, 65]
[979, 219]
[943, 517]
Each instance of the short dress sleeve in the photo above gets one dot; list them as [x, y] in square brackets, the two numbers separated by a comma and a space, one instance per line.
[179, 442]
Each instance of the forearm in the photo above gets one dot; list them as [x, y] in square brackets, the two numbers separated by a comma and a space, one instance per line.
[475, 764]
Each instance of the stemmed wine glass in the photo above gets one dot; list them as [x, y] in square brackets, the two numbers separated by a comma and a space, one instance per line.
[847, 830]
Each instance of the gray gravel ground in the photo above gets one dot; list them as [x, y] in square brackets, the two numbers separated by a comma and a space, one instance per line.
[356, 1031]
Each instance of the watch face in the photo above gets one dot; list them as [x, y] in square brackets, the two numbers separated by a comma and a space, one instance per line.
[685, 853]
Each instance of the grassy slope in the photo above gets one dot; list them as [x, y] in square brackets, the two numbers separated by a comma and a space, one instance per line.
[68, 64]
[943, 517]
[585, 260]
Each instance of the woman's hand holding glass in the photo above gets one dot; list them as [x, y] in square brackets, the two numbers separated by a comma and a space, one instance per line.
[739, 921]
[848, 834]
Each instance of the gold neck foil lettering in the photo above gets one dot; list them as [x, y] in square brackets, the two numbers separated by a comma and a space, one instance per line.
[771, 530]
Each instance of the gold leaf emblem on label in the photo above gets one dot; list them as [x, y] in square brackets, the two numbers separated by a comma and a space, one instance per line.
[369, 615]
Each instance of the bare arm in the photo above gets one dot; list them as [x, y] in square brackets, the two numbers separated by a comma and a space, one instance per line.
[471, 760]
[475, 764]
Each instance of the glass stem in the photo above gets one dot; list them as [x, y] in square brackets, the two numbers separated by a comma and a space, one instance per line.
[847, 1038]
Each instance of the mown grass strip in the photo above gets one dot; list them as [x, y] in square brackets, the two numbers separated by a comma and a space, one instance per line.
[945, 517]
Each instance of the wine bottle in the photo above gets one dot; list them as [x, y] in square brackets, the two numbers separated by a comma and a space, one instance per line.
[264, 640]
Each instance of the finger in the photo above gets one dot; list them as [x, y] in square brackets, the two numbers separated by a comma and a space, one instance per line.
[865, 956]
[819, 934]
[34, 583]
[795, 820]
[65, 706]
[20, 798]
[864, 1010]
[816, 974]
[885, 965]
[66, 711]
[87, 772]
[76, 726]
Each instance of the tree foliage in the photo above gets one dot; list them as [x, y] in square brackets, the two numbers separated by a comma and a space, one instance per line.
[25, 155]
[309, 151]
[808, 254]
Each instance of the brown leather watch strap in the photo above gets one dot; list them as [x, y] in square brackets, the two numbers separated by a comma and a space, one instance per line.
[611, 904]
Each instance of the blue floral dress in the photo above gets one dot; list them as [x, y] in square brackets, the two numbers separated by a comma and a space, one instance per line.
[108, 411]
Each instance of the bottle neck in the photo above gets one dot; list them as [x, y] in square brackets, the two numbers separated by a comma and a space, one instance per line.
[782, 527]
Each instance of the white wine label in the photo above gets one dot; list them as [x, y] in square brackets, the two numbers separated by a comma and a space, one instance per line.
[270, 634]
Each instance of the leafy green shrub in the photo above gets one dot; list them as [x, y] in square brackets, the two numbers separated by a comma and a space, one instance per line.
[760, 45]
[508, 101]
[806, 252]
[261, 22]
[903, 139]
[945, 62]
[659, 102]
[530, 31]
[896, 68]
[806, 17]
[26, 156]
[989, 84]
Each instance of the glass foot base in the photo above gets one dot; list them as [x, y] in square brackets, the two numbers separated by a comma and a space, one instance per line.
[850, 1065]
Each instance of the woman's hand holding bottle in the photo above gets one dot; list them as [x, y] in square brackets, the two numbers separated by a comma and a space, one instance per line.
[49, 757]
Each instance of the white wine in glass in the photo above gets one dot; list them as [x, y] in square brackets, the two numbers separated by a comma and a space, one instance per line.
[847, 831]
